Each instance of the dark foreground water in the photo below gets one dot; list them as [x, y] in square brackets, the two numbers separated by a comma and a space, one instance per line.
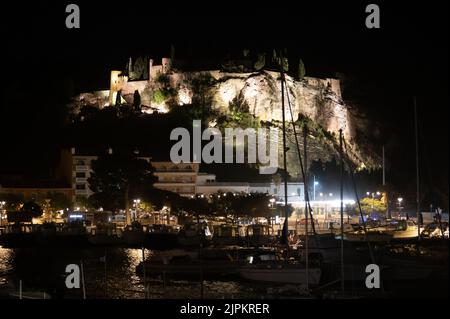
[44, 270]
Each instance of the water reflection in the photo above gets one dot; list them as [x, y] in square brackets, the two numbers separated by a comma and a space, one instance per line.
[44, 270]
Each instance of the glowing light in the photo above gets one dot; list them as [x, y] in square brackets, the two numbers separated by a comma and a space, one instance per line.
[227, 95]
[184, 96]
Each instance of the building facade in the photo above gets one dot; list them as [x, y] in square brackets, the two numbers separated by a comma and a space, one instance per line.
[178, 178]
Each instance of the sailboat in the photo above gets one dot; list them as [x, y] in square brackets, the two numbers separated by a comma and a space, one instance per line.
[270, 267]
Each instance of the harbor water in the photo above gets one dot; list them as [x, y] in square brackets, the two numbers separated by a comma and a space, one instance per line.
[111, 273]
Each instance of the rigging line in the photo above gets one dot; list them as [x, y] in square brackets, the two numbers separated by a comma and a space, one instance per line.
[352, 177]
[300, 159]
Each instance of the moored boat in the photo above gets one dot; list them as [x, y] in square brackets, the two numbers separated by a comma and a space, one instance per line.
[270, 268]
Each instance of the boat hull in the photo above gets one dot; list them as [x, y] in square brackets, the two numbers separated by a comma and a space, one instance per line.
[282, 275]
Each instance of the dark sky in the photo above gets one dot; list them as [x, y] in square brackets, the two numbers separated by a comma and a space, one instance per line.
[407, 57]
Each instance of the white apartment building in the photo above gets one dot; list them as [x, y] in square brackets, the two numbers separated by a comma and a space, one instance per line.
[183, 179]
[77, 169]
[178, 178]
[81, 171]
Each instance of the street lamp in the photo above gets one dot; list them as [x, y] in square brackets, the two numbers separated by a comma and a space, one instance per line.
[314, 187]
[400, 200]
[272, 201]
[2, 204]
[136, 203]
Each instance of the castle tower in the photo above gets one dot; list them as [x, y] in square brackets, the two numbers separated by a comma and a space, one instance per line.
[116, 83]
[166, 64]
[150, 67]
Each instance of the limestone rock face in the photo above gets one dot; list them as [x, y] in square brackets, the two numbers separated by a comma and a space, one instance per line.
[318, 100]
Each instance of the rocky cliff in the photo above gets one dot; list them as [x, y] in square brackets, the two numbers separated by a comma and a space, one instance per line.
[315, 104]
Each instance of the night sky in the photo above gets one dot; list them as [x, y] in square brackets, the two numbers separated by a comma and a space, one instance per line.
[407, 57]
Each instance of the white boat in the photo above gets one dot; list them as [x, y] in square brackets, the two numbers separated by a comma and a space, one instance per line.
[269, 267]
[371, 236]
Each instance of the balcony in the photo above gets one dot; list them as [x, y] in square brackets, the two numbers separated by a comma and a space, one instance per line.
[81, 168]
[81, 180]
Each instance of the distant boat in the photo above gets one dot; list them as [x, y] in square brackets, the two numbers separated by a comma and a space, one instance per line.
[212, 263]
[227, 235]
[402, 229]
[371, 236]
[105, 235]
[194, 235]
[259, 235]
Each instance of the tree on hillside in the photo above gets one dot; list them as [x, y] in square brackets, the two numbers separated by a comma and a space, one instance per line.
[258, 205]
[301, 70]
[118, 178]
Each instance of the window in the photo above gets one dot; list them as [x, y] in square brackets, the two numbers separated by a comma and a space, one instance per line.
[81, 186]
[81, 162]
[80, 175]
[298, 191]
[275, 190]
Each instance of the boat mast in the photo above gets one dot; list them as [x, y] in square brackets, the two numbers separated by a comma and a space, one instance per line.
[416, 128]
[384, 169]
[385, 190]
[305, 134]
[342, 209]
[286, 211]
